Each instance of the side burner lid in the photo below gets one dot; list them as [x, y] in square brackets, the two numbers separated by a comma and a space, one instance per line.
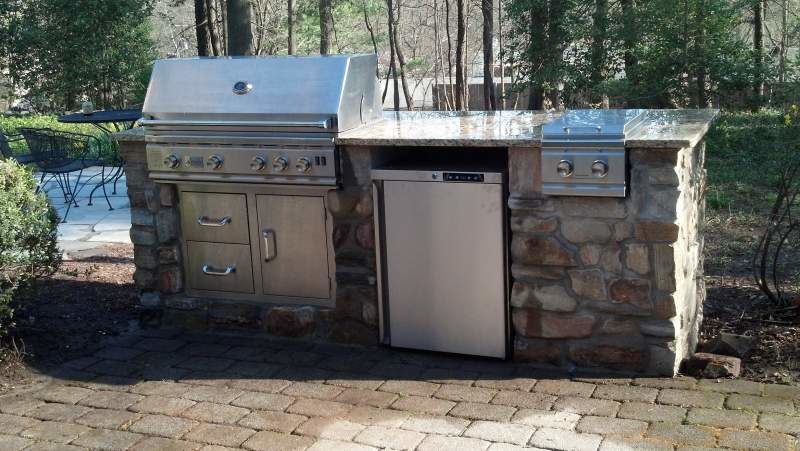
[592, 125]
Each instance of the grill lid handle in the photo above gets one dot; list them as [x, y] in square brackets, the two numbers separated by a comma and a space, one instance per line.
[323, 124]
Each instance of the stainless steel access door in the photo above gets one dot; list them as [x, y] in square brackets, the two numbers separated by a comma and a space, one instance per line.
[444, 263]
[294, 246]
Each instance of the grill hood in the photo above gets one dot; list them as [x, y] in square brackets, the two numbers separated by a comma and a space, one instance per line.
[315, 94]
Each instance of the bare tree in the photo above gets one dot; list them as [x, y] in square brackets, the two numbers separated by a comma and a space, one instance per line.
[598, 47]
[699, 60]
[240, 34]
[758, 52]
[784, 41]
[290, 27]
[489, 100]
[394, 18]
[325, 26]
[461, 37]
[201, 28]
[629, 36]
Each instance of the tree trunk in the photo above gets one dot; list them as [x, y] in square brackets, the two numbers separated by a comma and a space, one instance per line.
[392, 62]
[449, 85]
[536, 52]
[211, 28]
[784, 41]
[201, 19]
[699, 57]
[758, 53]
[240, 34]
[556, 41]
[290, 27]
[629, 39]
[401, 61]
[489, 100]
[597, 56]
[461, 35]
[325, 26]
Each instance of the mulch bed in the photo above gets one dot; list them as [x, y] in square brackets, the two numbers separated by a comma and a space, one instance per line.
[66, 316]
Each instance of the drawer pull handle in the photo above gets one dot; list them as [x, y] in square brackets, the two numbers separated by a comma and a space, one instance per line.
[210, 222]
[209, 271]
[270, 250]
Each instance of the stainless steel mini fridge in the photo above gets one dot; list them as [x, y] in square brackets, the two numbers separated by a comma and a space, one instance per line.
[442, 244]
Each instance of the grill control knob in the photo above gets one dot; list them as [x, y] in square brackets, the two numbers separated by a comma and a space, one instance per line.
[303, 164]
[280, 164]
[599, 168]
[214, 162]
[258, 163]
[565, 168]
[172, 161]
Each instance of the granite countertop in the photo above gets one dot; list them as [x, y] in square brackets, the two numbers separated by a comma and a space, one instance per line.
[133, 134]
[661, 129]
[665, 129]
[449, 129]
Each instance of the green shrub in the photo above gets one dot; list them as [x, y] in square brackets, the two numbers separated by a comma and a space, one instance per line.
[9, 124]
[27, 235]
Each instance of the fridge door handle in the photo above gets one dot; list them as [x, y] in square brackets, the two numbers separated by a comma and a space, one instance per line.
[270, 250]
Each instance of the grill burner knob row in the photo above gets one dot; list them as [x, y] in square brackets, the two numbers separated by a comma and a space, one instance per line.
[303, 164]
[172, 161]
[279, 164]
[258, 163]
[214, 162]
[565, 168]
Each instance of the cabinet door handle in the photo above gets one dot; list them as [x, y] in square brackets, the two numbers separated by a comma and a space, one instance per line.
[211, 222]
[209, 271]
[270, 251]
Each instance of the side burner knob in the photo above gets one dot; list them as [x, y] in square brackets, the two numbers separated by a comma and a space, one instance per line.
[280, 164]
[258, 163]
[565, 168]
[172, 161]
[599, 168]
[303, 164]
[214, 162]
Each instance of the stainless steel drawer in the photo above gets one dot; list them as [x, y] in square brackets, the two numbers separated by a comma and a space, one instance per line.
[220, 267]
[214, 217]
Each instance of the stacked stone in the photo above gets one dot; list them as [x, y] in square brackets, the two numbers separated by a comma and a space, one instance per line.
[154, 231]
[609, 282]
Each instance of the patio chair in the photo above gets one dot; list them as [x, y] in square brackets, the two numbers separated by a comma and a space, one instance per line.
[110, 172]
[8, 153]
[61, 154]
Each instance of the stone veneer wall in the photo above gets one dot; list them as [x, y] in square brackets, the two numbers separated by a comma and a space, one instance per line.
[159, 271]
[613, 283]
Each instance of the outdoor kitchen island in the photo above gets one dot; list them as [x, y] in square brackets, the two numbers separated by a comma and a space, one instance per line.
[595, 282]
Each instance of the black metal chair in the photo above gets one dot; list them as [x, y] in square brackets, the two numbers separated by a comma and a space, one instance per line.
[8, 153]
[60, 154]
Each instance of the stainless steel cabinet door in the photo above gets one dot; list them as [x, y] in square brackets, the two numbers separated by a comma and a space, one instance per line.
[445, 266]
[294, 246]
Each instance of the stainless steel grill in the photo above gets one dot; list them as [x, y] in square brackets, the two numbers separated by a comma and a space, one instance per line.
[249, 144]
[583, 152]
[255, 120]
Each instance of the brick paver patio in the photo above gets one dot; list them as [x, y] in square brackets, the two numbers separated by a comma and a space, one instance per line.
[160, 391]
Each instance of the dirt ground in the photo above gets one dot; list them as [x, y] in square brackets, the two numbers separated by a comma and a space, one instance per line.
[67, 315]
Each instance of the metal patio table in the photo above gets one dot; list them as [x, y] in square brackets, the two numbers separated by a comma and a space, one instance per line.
[122, 119]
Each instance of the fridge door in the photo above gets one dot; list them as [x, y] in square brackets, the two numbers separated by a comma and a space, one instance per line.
[445, 266]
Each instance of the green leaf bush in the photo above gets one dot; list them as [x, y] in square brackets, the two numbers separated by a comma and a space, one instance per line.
[27, 235]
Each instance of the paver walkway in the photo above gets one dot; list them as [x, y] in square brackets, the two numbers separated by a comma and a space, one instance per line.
[161, 391]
